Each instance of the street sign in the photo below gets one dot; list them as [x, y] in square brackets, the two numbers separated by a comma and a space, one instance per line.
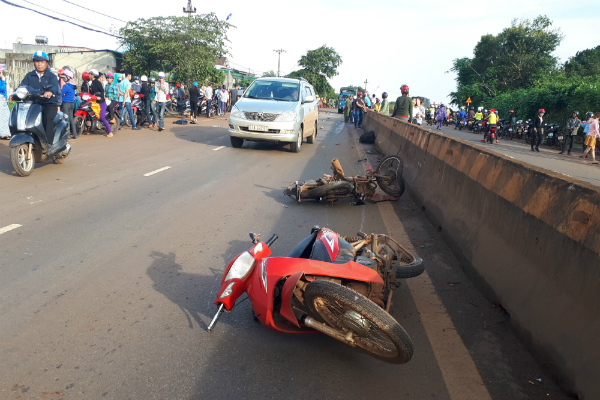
[469, 101]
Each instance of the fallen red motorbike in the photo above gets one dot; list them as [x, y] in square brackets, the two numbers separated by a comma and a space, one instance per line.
[339, 286]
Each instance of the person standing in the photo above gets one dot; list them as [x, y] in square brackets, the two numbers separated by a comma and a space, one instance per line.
[573, 125]
[440, 117]
[125, 99]
[538, 130]
[4, 111]
[98, 91]
[367, 100]
[111, 92]
[385, 105]
[145, 91]
[208, 94]
[152, 100]
[224, 97]
[347, 107]
[403, 109]
[591, 138]
[68, 101]
[359, 109]
[234, 95]
[419, 111]
[194, 98]
[162, 90]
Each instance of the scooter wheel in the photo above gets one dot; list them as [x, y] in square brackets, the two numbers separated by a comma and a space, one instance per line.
[374, 331]
[18, 157]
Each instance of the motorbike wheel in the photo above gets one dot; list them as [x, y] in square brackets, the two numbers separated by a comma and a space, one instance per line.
[79, 125]
[375, 332]
[20, 164]
[391, 167]
[336, 188]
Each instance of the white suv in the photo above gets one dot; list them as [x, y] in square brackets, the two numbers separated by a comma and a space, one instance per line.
[276, 110]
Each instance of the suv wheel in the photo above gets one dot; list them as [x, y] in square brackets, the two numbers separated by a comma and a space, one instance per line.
[295, 146]
[236, 142]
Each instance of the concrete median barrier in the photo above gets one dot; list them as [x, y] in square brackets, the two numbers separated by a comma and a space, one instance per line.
[529, 237]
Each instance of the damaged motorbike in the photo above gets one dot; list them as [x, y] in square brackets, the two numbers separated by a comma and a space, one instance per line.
[331, 188]
[339, 286]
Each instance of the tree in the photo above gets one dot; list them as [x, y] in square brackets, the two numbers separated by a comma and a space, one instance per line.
[319, 65]
[186, 47]
[517, 57]
[584, 63]
[270, 73]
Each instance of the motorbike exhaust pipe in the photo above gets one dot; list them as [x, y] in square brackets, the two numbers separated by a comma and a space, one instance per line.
[316, 325]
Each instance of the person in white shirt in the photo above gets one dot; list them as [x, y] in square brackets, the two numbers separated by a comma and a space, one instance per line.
[162, 89]
[208, 93]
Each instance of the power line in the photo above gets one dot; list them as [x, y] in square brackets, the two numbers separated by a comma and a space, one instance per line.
[60, 19]
[85, 8]
[56, 12]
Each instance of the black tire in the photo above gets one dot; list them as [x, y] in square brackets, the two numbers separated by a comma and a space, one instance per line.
[18, 158]
[79, 124]
[236, 142]
[126, 119]
[139, 118]
[411, 270]
[380, 335]
[339, 188]
[296, 146]
[311, 138]
[391, 167]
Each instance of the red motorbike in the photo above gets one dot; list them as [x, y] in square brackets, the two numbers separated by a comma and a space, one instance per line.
[339, 286]
[86, 117]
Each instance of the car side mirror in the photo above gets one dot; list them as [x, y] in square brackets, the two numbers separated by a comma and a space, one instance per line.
[309, 99]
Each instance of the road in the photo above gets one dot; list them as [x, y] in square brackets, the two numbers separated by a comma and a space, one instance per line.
[548, 157]
[107, 280]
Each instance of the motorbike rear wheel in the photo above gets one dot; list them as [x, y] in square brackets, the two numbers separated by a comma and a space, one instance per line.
[18, 157]
[374, 331]
[332, 189]
[391, 167]
[79, 126]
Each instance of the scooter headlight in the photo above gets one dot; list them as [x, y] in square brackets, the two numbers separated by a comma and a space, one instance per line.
[241, 267]
[21, 92]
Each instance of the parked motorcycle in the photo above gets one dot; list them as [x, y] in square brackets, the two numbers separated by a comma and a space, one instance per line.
[340, 286]
[554, 136]
[214, 108]
[86, 116]
[175, 107]
[331, 188]
[29, 144]
[519, 129]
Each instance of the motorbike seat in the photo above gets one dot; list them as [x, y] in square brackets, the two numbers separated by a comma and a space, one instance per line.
[311, 249]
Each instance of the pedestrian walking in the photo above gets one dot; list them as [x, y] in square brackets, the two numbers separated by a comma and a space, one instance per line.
[68, 100]
[538, 130]
[403, 109]
[162, 90]
[125, 94]
[194, 99]
[359, 109]
[208, 94]
[347, 108]
[440, 116]
[573, 125]
[4, 111]
[591, 138]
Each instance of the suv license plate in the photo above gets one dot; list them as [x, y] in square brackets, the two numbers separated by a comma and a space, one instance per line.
[258, 128]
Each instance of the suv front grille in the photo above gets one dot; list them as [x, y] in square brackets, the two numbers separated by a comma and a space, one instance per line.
[257, 116]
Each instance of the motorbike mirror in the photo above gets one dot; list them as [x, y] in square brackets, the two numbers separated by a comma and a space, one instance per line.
[255, 237]
[315, 228]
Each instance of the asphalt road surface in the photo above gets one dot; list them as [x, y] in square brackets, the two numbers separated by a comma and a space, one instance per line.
[548, 157]
[110, 270]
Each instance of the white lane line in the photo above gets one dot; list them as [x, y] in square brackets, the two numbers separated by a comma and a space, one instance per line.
[9, 228]
[219, 148]
[157, 171]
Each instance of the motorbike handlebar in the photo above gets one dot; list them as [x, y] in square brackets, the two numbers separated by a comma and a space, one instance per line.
[271, 240]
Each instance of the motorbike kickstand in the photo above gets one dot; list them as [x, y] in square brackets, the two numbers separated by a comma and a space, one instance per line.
[216, 318]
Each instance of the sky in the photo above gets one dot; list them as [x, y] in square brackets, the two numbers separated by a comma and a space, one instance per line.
[386, 43]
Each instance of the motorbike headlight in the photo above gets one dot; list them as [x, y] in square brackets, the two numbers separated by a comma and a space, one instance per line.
[21, 92]
[288, 116]
[236, 113]
[228, 290]
[241, 267]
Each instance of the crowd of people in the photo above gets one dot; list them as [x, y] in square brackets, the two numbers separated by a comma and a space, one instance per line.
[406, 108]
[109, 95]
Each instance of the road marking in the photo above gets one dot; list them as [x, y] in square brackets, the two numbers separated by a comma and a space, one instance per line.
[157, 171]
[9, 228]
[219, 148]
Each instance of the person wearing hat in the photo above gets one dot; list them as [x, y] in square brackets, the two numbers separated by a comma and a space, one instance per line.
[538, 130]
[573, 125]
[162, 89]
[403, 109]
[68, 99]
[42, 79]
[98, 91]
[4, 111]
[111, 91]
[194, 99]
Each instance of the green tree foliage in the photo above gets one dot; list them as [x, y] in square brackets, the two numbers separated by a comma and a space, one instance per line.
[270, 73]
[186, 47]
[318, 65]
[518, 57]
[584, 63]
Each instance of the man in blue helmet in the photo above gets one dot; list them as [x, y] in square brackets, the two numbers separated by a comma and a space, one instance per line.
[44, 80]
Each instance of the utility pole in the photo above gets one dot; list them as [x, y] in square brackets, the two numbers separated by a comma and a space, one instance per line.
[366, 81]
[279, 60]
[189, 10]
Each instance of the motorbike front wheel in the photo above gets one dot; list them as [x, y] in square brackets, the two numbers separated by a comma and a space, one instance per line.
[332, 189]
[373, 330]
[18, 156]
[389, 176]
[79, 126]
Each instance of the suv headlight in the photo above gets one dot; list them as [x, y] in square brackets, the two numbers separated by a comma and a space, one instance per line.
[241, 267]
[236, 113]
[288, 116]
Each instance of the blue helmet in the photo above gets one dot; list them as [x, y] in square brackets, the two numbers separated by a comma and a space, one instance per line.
[196, 84]
[40, 56]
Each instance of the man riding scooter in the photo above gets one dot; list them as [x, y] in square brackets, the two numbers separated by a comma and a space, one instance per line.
[44, 80]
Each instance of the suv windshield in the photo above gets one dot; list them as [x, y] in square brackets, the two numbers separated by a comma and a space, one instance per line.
[273, 90]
